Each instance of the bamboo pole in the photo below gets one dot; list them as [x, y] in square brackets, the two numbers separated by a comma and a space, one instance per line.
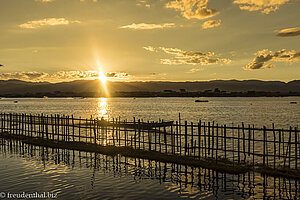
[264, 147]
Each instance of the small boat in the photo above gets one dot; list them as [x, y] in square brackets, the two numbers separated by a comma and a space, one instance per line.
[201, 100]
[15, 101]
[136, 125]
[293, 102]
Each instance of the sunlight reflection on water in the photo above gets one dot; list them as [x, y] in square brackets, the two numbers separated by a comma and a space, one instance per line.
[102, 108]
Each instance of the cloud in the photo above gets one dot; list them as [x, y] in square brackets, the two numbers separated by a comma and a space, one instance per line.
[265, 55]
[62, 76]
[264, 6]
[149, 48]
[45, 1]
[211, 24]
[194, 70]
[289, 32]
[188, 57]
[46, 22]
[117, 75]
[190, 9]
[143, 3]
[23, 75]
[144, 26]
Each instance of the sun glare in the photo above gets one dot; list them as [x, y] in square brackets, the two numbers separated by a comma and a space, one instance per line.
[102, 78]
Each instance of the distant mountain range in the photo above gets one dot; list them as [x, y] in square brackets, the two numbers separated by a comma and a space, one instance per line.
[95, 88]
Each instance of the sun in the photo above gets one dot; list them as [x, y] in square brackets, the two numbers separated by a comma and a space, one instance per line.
[102, 78]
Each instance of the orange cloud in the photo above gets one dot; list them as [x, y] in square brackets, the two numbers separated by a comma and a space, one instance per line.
[211, 23]
[289, 32]
[190, 9]
[264, 6]
[265, 55]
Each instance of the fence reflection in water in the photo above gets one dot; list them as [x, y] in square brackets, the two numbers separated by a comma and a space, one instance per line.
[179, 178]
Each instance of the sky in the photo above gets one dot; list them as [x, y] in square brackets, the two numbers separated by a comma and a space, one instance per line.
[149, 40]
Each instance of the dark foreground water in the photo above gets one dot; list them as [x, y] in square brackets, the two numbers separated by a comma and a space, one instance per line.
[81, 175]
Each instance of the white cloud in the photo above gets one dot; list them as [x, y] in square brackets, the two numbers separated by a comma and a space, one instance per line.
[144, 26]
[46, 22]
[211, 24]
[289, 32]
[192, 8]
[264, 6]
[188, 57]
[265, 55]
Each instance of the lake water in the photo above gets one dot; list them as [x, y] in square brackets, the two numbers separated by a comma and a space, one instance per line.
[81, 175]
[259, 111]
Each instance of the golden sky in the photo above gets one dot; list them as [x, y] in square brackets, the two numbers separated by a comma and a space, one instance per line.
[142, 40]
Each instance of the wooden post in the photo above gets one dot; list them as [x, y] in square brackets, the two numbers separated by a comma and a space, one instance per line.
[217, 142]
[139, 133]
[91, 130]
[155, 138]
[31, 126]
[73, 128]
[253, 146]
[264, 147]
[46, 127]
[208, 138]
[244, 145]
[149, 137]
[95, 131]
[225, 142]
[249, 136]
[79, 130]
[52, 126]
[290, 145]
[180, 141]
[192, 137]
[165, 138]
[159, 138]
[125, 132]
[186, 137]
[205, 146]
[212, 139]
[274, 147]
[42, 125]
[199, 138]
[279, 144]
[239, 157]
[177, 139]
[134, 132]
[172, 140]
[113, 132]
[10, 123]
[296, 148]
